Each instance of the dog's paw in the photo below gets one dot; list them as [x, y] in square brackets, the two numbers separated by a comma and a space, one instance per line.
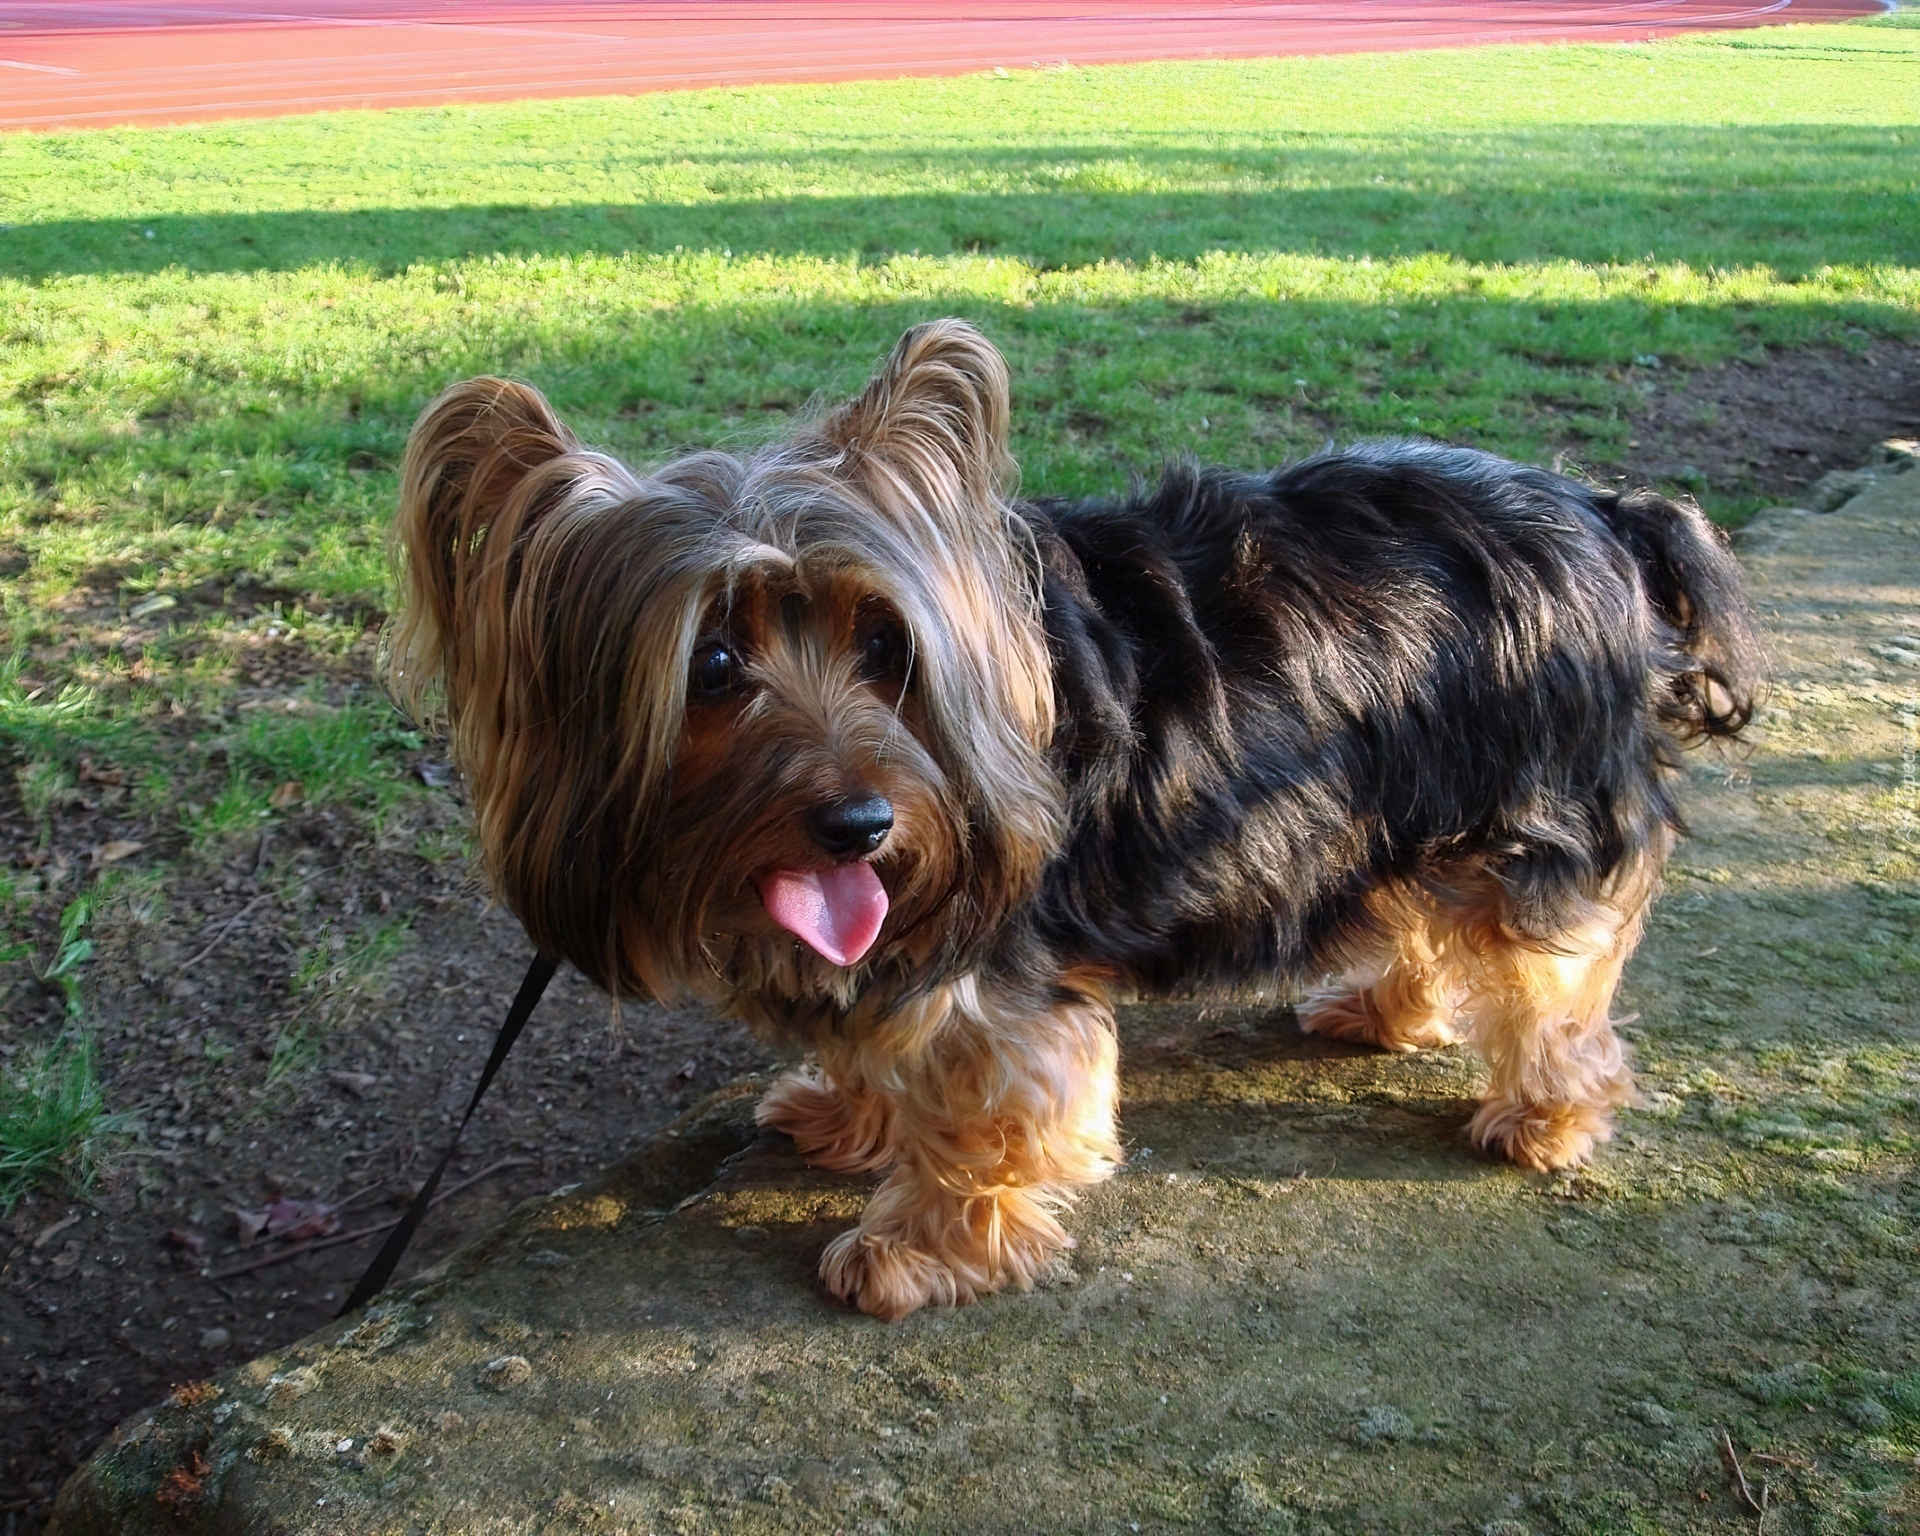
[1340, 1014]
[831, 1130]
[1544, 1137]
[890, 1278]
[956, 1256]
[1352, 1013]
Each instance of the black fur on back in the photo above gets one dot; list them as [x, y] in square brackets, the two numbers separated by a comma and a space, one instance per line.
[1277, 692]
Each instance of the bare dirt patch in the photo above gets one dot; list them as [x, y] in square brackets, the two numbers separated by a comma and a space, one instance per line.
[303, 1020]
[1768, 430]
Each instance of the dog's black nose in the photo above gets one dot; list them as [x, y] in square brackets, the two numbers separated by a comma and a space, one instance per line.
[851, 827]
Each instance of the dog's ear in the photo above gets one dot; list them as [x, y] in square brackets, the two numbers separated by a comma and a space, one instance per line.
[926, 444]
[936, 415]
[478, 471]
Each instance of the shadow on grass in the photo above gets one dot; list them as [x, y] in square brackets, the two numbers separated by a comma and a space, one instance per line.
[1103, 387]
[1796, 198]
[279, 459]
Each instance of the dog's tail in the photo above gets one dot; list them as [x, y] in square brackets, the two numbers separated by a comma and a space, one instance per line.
[1694, 583]
[470, 482]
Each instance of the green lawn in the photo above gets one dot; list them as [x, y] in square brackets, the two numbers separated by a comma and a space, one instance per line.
[212, 340]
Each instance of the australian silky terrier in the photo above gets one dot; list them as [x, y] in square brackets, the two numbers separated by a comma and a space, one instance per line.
[845, 740]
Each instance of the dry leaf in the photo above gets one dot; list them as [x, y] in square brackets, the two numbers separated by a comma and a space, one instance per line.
[115, 851]
[296, 1219]
[290, 793]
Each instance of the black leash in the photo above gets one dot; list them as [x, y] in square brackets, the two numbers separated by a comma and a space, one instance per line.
[380, 1271]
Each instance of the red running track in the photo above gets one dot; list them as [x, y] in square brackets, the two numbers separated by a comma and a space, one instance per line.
[90, 63]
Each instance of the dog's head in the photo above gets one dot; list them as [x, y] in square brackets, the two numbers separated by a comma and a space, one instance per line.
[759, 721]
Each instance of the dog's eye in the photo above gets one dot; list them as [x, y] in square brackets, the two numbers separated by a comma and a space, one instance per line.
[883, 651]
[715, 669]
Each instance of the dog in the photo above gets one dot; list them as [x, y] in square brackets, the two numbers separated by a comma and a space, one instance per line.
[844, 739]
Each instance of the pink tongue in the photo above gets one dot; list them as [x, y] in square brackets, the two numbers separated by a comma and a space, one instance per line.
[838, 910]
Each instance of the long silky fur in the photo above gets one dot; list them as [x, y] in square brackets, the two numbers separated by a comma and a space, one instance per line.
[552, 598]
[1402, 713]
[1378, 667]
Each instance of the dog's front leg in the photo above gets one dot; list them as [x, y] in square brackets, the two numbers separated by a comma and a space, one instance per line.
[1008, 1110]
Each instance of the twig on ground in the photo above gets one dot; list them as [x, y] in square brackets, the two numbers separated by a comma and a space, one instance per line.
[1741, 1486]
[225, 928]
[48, 1234]
[360, 1194]
[368, 1154]
[314, 1245]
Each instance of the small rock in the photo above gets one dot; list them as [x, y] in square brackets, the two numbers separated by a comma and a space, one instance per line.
[215, 1338]
[1768, 529]
[1380, 1426]
[1802, 1382]
[1895, 456]
[1836, 488]
[506, 1373]
[1650, 1412]
[1869, 1413]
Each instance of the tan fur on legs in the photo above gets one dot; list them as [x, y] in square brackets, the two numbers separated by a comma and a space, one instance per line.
[1008, 1111]
[1405, 1000]
[1538, 1011]
[1541, 1021]
[836, 1126]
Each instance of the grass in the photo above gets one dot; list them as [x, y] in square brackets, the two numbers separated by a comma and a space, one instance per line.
[214, 339]
[52, 1118]
[52, 1111]
[339, 971]
[319, 757]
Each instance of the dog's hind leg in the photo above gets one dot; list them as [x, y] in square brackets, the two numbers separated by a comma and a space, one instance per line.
[1404, 998]
[841, 1125]
[1538, 1009]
